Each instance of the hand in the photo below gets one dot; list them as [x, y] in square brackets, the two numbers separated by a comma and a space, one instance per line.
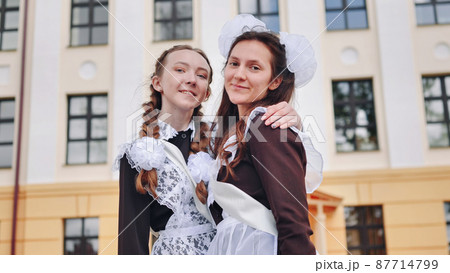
[282, 115]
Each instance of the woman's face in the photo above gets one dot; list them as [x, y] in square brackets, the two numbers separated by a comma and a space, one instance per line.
[248, 74]
[184, 81]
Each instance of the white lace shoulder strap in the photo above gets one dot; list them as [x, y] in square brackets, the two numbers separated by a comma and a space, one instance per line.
[175, 155]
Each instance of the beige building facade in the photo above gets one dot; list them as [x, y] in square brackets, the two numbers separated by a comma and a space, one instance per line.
[398, 177]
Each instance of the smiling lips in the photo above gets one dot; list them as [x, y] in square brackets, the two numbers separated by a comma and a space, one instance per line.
[187, 92]
[237, 86]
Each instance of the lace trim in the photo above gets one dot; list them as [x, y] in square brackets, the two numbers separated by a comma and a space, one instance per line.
[166, 131]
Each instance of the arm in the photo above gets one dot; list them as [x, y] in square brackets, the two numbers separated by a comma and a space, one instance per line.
[281, 169]
[133, 233]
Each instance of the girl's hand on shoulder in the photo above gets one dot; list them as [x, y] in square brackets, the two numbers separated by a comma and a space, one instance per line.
[282, 115]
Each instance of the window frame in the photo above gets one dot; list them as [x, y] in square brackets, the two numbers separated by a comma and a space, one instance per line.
[83, 238]
[447, 223]
[353, 103]
[8, 120]
[345, 11]
[259, 13]
[173, 21]
[88, 117]
[445, 99]
[3, 11]
[90, 25]
[433, 4]
[364, 228]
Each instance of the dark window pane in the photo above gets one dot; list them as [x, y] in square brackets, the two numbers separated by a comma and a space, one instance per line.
[73, 227]
[80, 16]
[335, 20]
[353, 237]
[78, 106]
[12, 3]
[73, 247]
[377, 252]
[90, 226]
[437, 135]
[100, 35]
[97, 151]
[366, 139]
[341, 91]
[6, 132]
[183, 30]
[77, 152]
[12, 19]
[9, 40]
[374, 215]
[447, 85]
[99, 128]
[99, 105]
[355, 3]
[7, 109]
[100, 14]
[163, 10]
[425, 15]
[80, 36]
[6, 155]
[431, 87]
[272, 22]
[268, 6]
[434, 110]
[344, 140]
[333, 4]
[163, 31]
[77, 129]
[352, 216]
[447, 211]
[80, 1]
[362, 90]
[443, 13]
[91, 247]
[342, 115]
[248, 6]
[376, 236]
[422, 1]
[365, 115]
[356, 19]
[184, 9]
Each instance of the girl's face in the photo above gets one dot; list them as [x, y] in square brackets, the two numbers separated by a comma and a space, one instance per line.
[248, 74]
[184, 82]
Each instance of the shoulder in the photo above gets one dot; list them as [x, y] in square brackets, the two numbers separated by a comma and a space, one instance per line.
[256, 130]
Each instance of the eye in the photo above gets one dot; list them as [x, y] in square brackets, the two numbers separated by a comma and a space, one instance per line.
[202, 76]
[233, 63]
[179, 70]
[255, 67]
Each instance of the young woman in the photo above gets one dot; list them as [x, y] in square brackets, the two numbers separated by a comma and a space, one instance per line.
[156, 186]
[260, 201]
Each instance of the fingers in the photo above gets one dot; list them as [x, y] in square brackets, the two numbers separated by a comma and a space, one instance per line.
[274, 112]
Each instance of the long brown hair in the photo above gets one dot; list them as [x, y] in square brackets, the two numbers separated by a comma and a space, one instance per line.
[227, 109]
[148, 180]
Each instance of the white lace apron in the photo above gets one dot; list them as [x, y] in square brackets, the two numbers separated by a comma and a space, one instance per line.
[187, 230]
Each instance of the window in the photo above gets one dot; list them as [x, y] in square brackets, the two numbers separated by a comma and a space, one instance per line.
[87, 129]
[81, 236]
[346, 14]
[265, 10]
[9, 24]
[431, 12]
[354, 116]
[436, 92]
[6, 132]
[89, 24]
[447, 219]
[365, 231]
[173, 20]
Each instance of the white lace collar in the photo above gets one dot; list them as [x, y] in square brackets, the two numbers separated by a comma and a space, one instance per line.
[166, 131]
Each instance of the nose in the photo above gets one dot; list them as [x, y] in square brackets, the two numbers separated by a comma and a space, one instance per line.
[190, 78]
[239, 73]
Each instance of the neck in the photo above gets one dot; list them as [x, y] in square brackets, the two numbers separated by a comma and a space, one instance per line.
[179, 120]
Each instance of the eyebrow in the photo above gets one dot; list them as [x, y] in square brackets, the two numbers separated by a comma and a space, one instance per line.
[249, 61]
[186, 64]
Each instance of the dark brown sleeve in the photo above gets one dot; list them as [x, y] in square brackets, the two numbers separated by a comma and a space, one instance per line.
[281, 165]
[134, 230]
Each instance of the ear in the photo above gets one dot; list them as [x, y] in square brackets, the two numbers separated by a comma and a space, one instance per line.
[208, 93]
[156, 83]
[275, 83]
